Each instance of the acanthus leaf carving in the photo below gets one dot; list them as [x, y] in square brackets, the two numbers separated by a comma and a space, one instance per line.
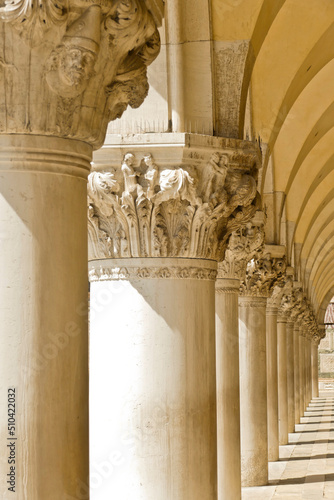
[31, 18]
[244, 244]
[262, 275]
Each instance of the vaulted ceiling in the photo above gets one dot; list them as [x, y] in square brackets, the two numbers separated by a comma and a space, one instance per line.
[260, 70]
[288, 78]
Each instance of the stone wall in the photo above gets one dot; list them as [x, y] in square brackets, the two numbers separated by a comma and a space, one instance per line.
[326, 360]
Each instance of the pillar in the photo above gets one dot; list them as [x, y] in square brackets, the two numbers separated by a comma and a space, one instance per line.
[54, 111]
[155, 219]
[241, 245]
[290, 376]
[159, 426]
[297, 380]
[282, 380]
[315, 371]
[308, 372]
[228, 402]
[272, 383]
[44, 349]
[253, 391]
[302, 372]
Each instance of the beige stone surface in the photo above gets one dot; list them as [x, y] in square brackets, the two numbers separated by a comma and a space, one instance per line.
[272, 384]
[326, 363]
[157, 413]
[306, 464]
[253, 391]
[228, 406]
[43, 290]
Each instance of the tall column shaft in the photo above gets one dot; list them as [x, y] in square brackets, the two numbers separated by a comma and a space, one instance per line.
[302, 373]
[296, 372]
[153, 338]
[272, 384]
[290, 377]
[253, 391]
[228, 403]
[315, 371]
[43, 313]
[308, 372]
[282, 381]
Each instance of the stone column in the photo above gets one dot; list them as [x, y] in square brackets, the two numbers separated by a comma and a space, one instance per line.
[57, 82]
[297, 381]
[153, 350]
[315, 369]
[290, 376]
[302, 371]
[158, 225]
[44, 354]
[261, 276]
[308, 371]
[272, 383]
[282, 380]
[253, 391]
[228, 402]
[242, 244]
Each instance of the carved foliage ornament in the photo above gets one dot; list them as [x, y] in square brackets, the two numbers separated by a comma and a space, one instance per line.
[243, 245]
[106, 273]
[88, 59]
[262, 275]
[146, 211]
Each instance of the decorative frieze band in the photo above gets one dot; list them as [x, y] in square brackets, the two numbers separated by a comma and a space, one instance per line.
[129, 269]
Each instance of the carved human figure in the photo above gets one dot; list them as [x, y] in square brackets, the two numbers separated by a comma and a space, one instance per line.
[151, 175]
[215, 192]
[71, 64]
[130, 176]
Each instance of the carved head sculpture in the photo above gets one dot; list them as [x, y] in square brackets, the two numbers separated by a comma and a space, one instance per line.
[128, 89]
[71, 64]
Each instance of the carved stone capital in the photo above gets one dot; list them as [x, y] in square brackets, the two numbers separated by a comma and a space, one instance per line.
[144, 208]
[70, 67]
[262, 275]
[244, 244]
[281, 291]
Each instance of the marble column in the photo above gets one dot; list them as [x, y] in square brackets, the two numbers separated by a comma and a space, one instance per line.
[272, 383]
[297, 381]
[154, 344]
[302, 371]
[290, 376]
[308, 372]
[242, 245]
[282, 380]
[57, 88]
[262, 275]
[44, 354]
[253, 391]
[158, 224]
[315, 369]
[228, 401]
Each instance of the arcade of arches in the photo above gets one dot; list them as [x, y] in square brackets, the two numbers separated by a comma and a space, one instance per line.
[205, 129]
